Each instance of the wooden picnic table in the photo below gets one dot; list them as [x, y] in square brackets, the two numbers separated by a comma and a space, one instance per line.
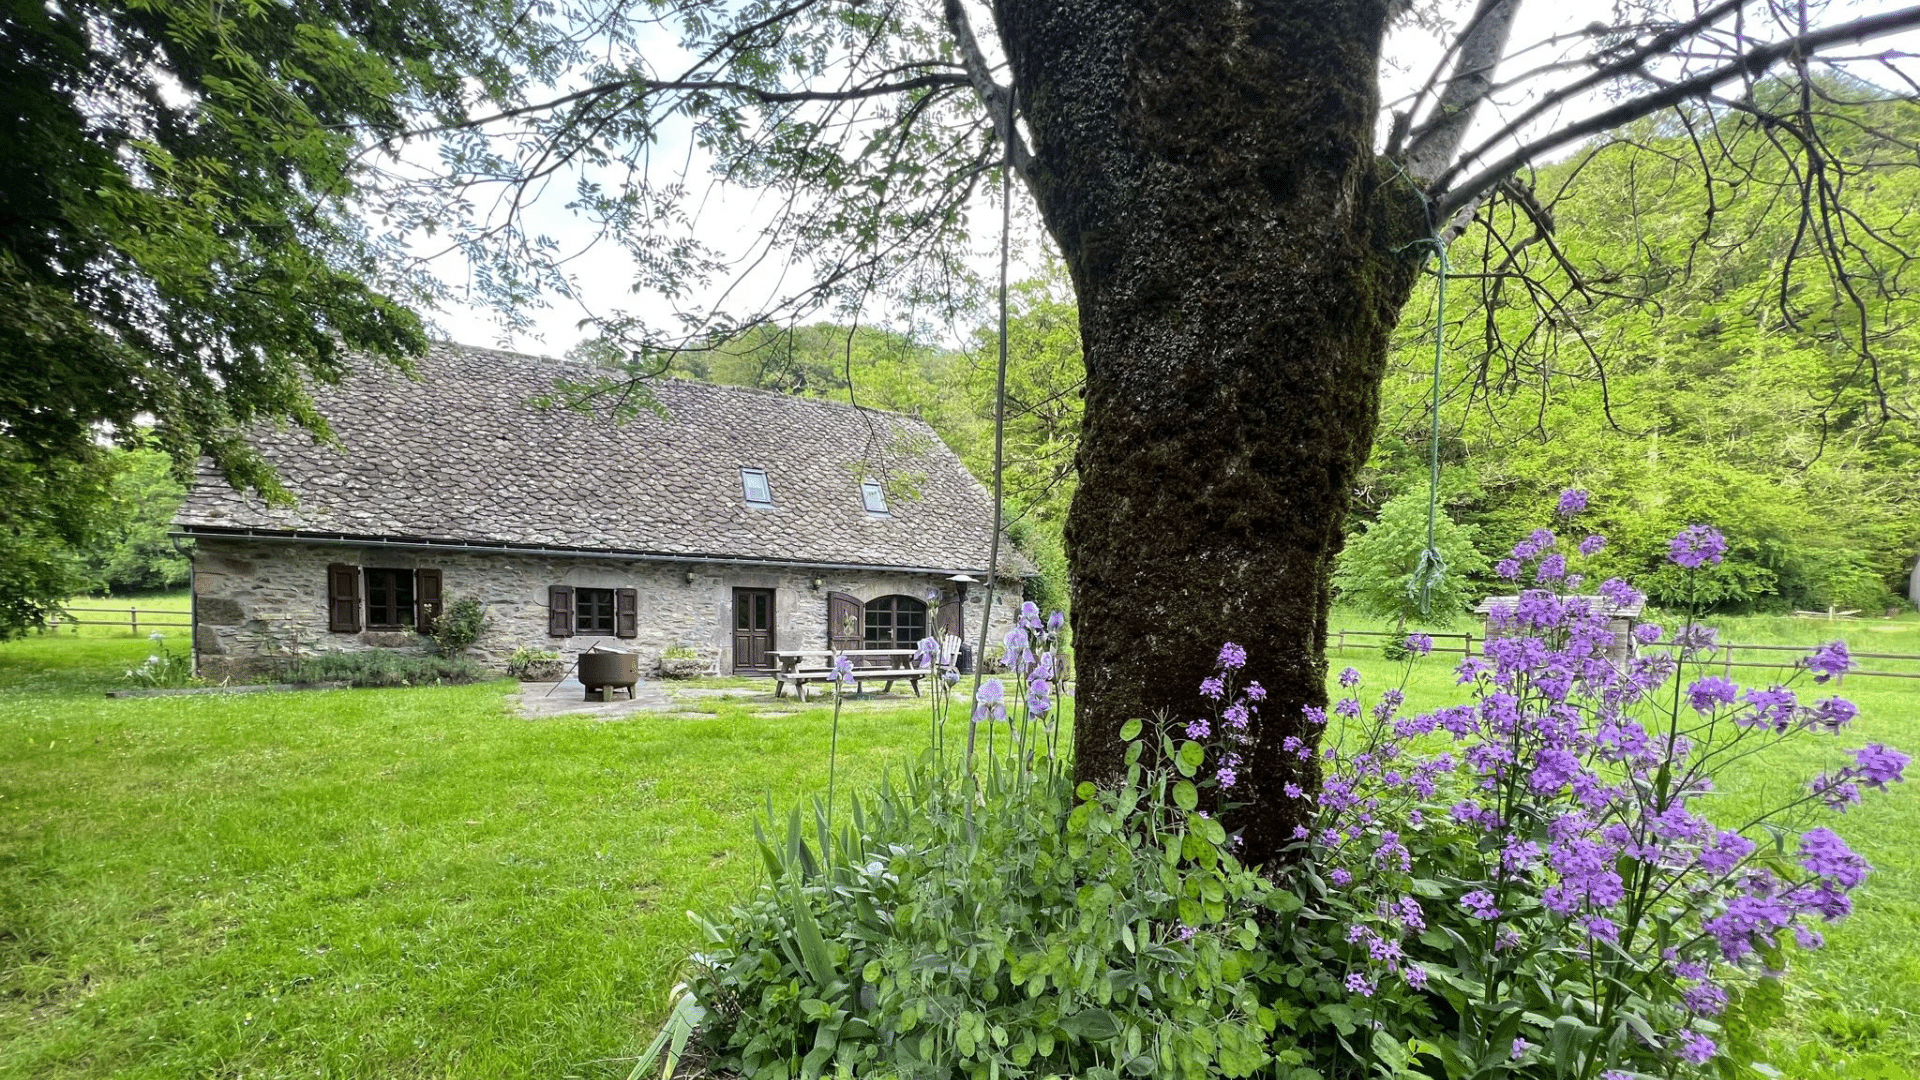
[792, 668]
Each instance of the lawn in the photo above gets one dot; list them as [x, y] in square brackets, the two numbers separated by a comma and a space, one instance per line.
[414, 883]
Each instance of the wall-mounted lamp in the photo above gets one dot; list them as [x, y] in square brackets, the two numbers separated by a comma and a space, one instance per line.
[816, 584]
[689, 577]
[960, 583]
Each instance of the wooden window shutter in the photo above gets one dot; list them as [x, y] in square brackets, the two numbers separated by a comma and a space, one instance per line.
[427, 598]
[846, 622]
[343, 598]
[560, 610]
[626, 613]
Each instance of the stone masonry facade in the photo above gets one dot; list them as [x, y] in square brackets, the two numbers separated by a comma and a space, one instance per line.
[260, 603]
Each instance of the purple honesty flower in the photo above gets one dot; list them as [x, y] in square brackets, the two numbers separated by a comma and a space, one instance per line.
[1416, 976]
[1346, 706]
[1358, 984]
[1878, 765]
[1295, 791]
[1647, 633]
[1519, 1049]
[1508, 568]
[1349, 678]
[1695, 1048]
[1227, 778]
[1706, 999]
[1183, 933]
[1341, 877]
[1552, 568]
[1572, 501]
[1235, 716]
[1419, 644]
[1709, 693]
[1232, 657]
[1592, 545]
[1696, 546]
[1479, 904]
[1213, 686]
[1832, 713]
[1256, 692]
[1199, 729]
[1829, 660]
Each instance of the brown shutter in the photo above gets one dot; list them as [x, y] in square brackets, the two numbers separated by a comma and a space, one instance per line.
[952, 618]
[626, 613]
[427, 600]
[846, 622]
[560, 610]
[343, 598]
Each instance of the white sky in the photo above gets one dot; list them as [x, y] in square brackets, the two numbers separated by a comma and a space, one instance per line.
[731, 219]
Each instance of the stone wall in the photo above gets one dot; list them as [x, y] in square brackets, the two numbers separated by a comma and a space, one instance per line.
[258, 603]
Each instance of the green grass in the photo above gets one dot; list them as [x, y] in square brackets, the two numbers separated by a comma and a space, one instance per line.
[413, 883]
[363, 883]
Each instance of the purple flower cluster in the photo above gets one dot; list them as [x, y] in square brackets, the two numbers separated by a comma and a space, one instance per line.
[1575, 776]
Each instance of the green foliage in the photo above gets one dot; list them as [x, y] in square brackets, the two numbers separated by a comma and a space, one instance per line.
[383, 667]
[995, 923]
[1674, 379]
[677, 651]
[537, 665]
[163, 667]
[459, 626]
[135, 554]
[49, 508]
[1376, 571]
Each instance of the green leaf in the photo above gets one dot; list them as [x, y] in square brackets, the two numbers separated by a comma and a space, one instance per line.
[1189, 757]
[1185, 795]
[1096, 1025]
[1130, 730]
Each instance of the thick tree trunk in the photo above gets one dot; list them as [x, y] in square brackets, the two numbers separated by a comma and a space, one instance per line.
[1240, 258]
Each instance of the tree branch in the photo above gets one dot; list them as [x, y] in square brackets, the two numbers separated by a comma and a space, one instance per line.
[1749, 65]
[1659, 45]
[998, 99]
[1481, 46]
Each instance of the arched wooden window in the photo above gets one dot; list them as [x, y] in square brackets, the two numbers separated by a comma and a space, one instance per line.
[895, 622]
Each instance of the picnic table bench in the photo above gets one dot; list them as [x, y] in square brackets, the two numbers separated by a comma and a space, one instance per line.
[801, 667]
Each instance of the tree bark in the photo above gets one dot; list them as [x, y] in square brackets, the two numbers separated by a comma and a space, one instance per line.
[1240, 258]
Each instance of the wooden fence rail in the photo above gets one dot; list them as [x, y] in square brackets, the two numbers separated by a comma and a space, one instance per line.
[1722, 657]
[129, 617]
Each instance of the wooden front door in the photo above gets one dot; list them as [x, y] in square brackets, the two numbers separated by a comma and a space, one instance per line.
[752, 631]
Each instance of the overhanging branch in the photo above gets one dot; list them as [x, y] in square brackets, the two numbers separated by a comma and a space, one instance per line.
[1752, 63]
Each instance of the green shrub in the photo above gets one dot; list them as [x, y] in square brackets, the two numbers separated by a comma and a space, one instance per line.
[379, 667]
[459, 626]
[678, 651]
[994, 921]
[526, 662]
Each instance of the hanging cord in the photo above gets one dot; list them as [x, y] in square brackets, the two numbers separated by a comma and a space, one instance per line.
[999, 436]
[1431, 567]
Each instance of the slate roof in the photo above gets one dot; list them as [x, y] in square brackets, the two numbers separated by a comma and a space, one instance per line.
[462, 455]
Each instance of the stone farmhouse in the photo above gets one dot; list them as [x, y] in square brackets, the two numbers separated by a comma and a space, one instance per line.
[738, 524]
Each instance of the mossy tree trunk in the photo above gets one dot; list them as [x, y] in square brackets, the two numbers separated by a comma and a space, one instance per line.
[1240, 257]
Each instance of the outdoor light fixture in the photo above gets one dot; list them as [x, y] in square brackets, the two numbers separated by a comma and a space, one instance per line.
[960, 583]
[689, 577]
[816, 584]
